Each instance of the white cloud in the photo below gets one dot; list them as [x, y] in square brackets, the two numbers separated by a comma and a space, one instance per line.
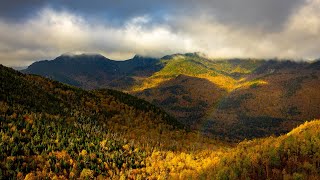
[298, 38]
[52, 33]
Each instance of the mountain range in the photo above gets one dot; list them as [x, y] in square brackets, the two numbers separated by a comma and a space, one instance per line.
[230, 98]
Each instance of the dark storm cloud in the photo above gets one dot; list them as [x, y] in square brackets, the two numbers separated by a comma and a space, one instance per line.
[13, 10]
[268, 13]
[116, 11]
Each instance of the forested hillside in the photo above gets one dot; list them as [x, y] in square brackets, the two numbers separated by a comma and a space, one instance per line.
[231, 98]
[53, 130]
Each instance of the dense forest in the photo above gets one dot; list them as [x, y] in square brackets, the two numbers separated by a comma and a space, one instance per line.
[57, 131]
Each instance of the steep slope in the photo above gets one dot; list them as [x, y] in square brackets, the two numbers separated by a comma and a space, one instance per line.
[55, 98]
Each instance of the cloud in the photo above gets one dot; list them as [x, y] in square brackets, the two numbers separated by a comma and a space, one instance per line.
[217, 28]
[297, 38]
[268, 13]
[301, 35]
[51, 33]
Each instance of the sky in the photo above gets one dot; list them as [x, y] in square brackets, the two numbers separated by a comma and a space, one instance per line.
[118, 29]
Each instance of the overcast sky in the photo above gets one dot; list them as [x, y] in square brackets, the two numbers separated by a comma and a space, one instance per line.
[43, 29]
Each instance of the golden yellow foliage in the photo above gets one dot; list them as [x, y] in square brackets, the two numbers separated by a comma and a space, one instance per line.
[86, 173]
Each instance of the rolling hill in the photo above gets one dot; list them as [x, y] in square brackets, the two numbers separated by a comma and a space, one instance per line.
[233, 98]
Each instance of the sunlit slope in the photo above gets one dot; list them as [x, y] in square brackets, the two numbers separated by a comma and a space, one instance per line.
[188, 85]
[223, 73]
[291, 156]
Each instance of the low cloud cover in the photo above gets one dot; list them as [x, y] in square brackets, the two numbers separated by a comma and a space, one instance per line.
[119, 29]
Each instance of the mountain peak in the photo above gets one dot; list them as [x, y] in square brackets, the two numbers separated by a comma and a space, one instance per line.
[196, 54]
[191, 54]
[77, 54]
[139, 56]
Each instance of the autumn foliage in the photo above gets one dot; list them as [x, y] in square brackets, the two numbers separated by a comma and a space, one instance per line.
[51, 130]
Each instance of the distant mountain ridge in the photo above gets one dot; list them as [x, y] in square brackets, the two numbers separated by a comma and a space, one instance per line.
[91, 71]
[235, 98]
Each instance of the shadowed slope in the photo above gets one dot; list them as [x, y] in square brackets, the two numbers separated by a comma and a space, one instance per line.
[185, 97]
[95, 71]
